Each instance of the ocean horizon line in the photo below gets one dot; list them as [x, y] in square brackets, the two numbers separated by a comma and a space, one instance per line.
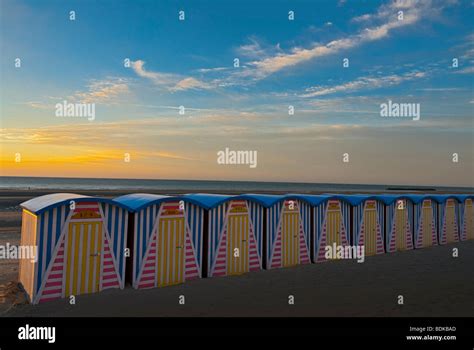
[85, 183]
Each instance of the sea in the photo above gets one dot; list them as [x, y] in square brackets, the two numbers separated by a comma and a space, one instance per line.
[60, 183]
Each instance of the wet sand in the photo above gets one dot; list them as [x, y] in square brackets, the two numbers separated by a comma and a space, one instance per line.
[432, 282]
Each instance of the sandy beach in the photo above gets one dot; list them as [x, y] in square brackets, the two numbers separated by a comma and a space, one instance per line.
[432, 282]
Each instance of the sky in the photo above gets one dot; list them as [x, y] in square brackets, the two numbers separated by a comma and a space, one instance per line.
[334, 64]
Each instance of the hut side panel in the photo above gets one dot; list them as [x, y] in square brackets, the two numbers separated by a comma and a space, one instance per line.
[27, 266]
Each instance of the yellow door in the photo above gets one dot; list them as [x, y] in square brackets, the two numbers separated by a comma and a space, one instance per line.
[83, 249]
[427, 223]
[237, 244]
[370, 225]
[450, 221]
[401, 217]
[171, 251]
[333, 224]
[290, 242]
[469, 217]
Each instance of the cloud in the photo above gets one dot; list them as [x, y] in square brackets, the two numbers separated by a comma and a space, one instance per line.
[364, 83]
[414, 11]
[39, 105]
[467, 70]
[171, 82]
[190, 84]
[106, 91]
[165, 79]
[255, 49]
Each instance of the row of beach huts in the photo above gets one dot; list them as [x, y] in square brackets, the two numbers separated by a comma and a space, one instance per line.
[89, 244]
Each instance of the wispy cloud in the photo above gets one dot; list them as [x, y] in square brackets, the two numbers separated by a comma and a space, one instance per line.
[414, 11]
[106, 91]
[467, 70]
[171, 82]
[364, 83]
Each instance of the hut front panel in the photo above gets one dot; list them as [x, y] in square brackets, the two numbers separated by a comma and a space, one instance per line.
[170, 255]
[290, 246]
[237, 238]
[290, 234]
[83, 257]
[237, 250]
[171, 251]
[82, 260]
[367, 226]
[449, 226]
[335, 228]
[27, 266]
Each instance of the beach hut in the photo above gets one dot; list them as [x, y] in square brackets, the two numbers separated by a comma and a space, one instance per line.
[448, 219]
[167, 246]
[79, 244]
[332, 225]
[288, 231]
[466, 216]
[398, 222]
[233, 232]
[425, 220]
[368, 223]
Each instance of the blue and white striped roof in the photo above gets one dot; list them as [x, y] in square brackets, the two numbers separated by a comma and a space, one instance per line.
[136, 201]
[205, 200]
[40, 204]
[265, 200]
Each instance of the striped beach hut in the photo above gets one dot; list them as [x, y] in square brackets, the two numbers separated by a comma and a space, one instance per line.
[79, 242]
[466, 216]
[167, 245]
[448, 219]
[288, 230]
[332, 224]
[368, 223]
[234, 232]
[399, 212]
[425, 220]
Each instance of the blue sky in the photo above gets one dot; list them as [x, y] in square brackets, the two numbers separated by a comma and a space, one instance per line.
[282, 63]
